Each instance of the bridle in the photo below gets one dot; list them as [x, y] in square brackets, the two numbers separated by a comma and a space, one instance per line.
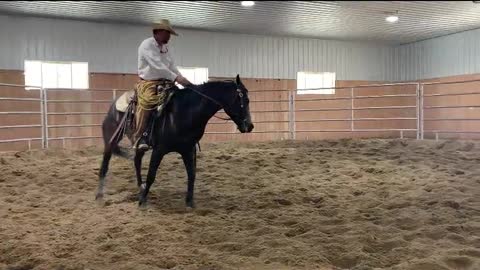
[239, 95]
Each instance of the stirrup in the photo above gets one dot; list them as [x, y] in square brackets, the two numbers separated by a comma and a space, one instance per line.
[141, 145]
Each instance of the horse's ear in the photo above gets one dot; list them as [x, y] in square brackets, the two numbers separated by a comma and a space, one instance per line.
[238, 80]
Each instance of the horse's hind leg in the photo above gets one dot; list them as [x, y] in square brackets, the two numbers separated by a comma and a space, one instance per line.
[108, 128]
[107, 154]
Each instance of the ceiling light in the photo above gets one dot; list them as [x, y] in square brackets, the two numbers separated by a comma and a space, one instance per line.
[248, 3]
[392, 19]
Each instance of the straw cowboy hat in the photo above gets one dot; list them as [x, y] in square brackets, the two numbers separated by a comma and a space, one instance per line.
[164, 25]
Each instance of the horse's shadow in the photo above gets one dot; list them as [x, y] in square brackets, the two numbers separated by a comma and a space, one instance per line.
[171, 200]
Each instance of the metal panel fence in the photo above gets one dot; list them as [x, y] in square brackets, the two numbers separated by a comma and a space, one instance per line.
[352, 97]
[33, 119]
[283, 115]
[450, 108]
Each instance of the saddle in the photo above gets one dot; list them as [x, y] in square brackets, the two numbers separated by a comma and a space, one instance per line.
[127, 103]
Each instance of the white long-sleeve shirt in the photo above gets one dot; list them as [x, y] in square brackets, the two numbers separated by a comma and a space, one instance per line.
[153, 65]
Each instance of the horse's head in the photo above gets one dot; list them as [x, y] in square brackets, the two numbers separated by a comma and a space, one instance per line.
[239, 109]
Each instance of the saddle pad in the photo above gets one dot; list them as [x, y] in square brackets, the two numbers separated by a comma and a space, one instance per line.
[122, 103]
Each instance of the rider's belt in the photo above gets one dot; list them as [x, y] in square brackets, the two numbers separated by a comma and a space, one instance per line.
[165, 83]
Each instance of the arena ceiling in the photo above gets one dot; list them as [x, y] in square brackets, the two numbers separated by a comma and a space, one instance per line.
[338, 20]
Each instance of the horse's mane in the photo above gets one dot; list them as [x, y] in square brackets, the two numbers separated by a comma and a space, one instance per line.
[188, 93]
[215, 84]
[210, 85]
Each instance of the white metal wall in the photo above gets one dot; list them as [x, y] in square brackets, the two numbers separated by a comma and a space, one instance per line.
[450, 55]
[113, 48]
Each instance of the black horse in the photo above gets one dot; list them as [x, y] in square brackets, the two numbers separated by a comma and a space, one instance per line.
[178, 129]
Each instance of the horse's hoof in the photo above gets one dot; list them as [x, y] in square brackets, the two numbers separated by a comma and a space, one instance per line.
[99, 197]
[100, 201]
[189, 209]
[142, 205]
[190, 205]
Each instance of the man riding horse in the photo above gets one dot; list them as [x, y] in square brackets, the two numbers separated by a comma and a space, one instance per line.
[182, 121]
[158, 73]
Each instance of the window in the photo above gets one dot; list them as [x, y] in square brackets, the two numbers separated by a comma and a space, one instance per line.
[312, 80]
[194, 75]
[56, 74]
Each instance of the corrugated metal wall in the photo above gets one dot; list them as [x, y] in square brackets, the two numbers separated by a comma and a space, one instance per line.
[451, 55]
[113, 48]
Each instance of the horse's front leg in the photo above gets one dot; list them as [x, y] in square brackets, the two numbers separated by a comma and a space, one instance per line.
[138, 168]
[155, 160]
[190, 161]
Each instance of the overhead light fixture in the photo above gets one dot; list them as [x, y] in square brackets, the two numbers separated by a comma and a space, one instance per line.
[247, 3]
[392, 19]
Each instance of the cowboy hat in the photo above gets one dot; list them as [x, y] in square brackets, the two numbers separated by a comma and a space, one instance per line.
[164, 25]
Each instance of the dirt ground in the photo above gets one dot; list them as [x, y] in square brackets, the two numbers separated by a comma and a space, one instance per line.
[348, 204]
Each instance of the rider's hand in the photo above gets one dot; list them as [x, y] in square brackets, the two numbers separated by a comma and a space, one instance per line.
[182, 81]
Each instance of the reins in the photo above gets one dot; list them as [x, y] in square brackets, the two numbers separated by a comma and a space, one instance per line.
[211, 99]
